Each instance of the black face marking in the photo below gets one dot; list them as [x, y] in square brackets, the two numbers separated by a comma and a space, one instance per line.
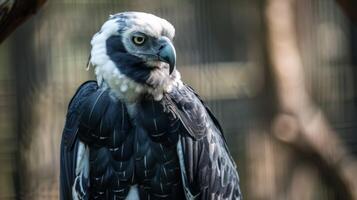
[115, 44]
[130, 65]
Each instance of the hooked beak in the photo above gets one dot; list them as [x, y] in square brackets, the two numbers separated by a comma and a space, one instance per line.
[167, 53]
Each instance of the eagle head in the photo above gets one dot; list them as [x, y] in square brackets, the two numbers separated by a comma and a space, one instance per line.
[133, 55]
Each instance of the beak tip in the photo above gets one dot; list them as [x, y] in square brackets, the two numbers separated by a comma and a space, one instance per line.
[172, 68]
[168, 55]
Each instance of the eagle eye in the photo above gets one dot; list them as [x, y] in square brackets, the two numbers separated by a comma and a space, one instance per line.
[138, 39]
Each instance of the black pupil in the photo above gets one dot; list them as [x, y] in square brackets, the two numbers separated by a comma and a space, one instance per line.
[139, 39]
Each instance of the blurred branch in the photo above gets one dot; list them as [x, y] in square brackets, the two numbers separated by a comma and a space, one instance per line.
[15, 12]
[301, 124]
[349, 7]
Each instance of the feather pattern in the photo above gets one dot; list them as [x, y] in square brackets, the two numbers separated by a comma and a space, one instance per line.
[70, 142]
[208, 170]
[168, 148]
[125, 149]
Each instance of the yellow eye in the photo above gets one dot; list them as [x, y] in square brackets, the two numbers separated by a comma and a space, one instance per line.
[138, 40]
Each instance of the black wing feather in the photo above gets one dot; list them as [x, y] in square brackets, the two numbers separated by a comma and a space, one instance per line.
[70, 141]
[210, 171]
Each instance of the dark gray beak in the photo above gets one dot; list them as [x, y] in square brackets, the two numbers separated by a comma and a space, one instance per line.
[167, 53]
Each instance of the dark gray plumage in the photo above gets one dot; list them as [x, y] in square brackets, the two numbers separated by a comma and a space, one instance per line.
[140, 133]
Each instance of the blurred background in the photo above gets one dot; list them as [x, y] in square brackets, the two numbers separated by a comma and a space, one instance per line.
[280, 75]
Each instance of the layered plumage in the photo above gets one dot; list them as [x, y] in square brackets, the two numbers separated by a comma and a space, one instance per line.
[139, 132]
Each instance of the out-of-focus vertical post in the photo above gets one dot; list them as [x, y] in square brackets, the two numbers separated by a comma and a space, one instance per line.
[12, 14]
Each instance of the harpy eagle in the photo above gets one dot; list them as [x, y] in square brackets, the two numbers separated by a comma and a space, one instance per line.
[139, 132]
